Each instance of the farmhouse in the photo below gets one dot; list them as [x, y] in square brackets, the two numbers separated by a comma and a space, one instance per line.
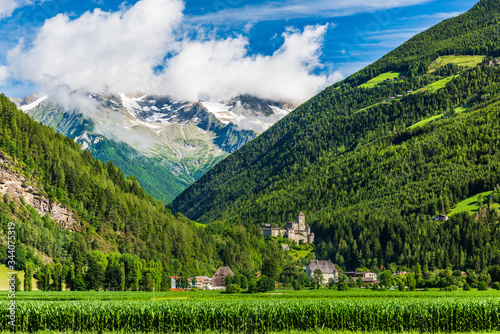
[219, 278]
[327, 268]
[367, 277]
[295, 230]
[203, 283]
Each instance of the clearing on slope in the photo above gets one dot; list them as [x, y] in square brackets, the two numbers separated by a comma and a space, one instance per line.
[436, 85]
[434, 118]
[471, 204]
[381, 78]
[467, 62]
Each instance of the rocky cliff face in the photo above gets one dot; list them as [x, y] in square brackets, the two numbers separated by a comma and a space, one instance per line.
[19, 189]
[167, 144]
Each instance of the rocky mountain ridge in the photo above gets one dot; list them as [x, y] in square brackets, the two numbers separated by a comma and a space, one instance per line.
[167, 144]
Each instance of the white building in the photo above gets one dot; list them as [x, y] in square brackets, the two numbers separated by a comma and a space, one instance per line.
[327, 268]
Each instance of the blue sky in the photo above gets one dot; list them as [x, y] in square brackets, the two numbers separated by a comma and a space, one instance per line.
[356, 33]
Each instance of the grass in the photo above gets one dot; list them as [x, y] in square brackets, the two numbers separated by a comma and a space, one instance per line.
[381, 78]
[368, 108]
[462, 108]
[317, 331]
[323, 311]
[471, 204]
[465, 61]
[300, 254]
[434, 118]
[425, 121]
[436, 85]
[289, 295]
[4, 275]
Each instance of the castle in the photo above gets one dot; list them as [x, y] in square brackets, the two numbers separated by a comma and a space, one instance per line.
[295, 230]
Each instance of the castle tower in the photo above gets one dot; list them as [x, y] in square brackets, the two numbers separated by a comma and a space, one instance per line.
[310, 238]
[302, 221]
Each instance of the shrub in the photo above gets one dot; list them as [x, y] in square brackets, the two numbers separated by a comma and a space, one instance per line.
[496, 286]
[342, 286]
[466, 287]
[266, 284]
[482, 286]
[233, 288]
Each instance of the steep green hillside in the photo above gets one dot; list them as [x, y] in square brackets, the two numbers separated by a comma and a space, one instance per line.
[472, 33]
[364, 179]
[68, 209]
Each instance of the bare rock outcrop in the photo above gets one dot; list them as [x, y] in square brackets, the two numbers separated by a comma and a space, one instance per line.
[16, 186]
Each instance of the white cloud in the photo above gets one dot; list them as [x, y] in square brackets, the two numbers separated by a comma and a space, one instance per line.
[4, 75]
[283, 10]
[220, 68]
[118, 52]
[7, 7]
[100, 50]
[438, 16]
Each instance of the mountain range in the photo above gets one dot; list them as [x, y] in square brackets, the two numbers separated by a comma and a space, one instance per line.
[166, 144]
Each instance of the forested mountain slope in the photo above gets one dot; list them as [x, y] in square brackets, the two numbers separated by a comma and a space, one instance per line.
[64, 204]
[367, 182]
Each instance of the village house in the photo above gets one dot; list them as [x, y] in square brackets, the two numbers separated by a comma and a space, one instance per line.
[494, 62]
[327, 268]
[367, 277]
[219, 278]
[441, 218]
[203, 283]
[294, 230]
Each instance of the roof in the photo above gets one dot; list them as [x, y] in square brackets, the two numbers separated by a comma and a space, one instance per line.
[224, 271]
[326, 267]
[301, 213]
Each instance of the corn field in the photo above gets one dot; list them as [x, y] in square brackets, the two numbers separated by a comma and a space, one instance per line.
[450, 315]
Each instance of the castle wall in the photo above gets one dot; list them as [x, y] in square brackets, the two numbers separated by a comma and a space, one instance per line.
[266, 232]
[296, 231]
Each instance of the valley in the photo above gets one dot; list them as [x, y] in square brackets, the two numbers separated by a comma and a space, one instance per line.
[373, 206]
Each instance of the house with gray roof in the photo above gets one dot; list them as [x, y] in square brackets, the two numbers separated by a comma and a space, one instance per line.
[327, 268]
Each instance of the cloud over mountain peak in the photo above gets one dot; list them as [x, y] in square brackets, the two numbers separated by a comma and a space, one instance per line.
[142, 48]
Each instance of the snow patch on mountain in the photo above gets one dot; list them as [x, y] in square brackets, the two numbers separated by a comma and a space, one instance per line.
[34, 104]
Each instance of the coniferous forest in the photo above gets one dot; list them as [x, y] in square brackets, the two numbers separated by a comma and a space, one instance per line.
[369, 165]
